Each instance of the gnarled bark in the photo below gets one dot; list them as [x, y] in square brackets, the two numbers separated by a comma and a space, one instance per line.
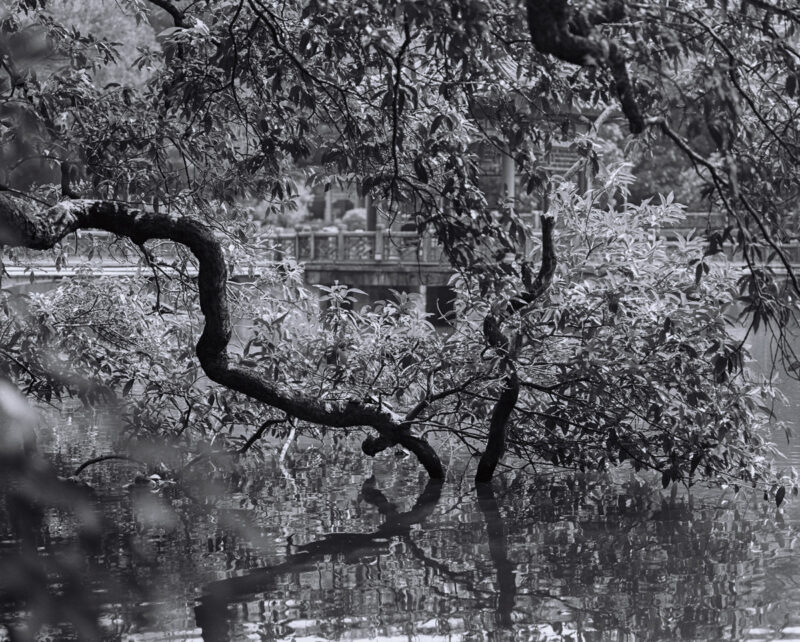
[22, 225]
[178, 17]
[558, 29]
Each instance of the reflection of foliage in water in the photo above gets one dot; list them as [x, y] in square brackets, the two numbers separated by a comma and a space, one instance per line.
[645, 563]
[542, 557]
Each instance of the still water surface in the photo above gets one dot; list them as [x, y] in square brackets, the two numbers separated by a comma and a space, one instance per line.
[335, 546]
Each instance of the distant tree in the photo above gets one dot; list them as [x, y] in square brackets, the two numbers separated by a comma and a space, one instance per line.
[634, 364]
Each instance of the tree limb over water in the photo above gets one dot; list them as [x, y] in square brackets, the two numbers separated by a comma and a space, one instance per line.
[535, 288]
[22, 225]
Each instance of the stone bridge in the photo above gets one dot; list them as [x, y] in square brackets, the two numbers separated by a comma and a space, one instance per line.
[370, 260]
[374, 262]
[377, 258]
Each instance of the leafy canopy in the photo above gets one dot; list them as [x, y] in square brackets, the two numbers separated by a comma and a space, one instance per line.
[627, 355]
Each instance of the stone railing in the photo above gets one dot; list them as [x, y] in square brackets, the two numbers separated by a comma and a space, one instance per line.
[330, 247]
[380, 246]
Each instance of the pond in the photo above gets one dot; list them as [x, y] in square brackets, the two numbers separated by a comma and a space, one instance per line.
[333, 546]
[330, 545]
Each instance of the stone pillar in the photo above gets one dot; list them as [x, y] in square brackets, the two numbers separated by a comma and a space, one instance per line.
[379, 243]
[372, 213]
[509, 174]
[341, 251]
[328, 217]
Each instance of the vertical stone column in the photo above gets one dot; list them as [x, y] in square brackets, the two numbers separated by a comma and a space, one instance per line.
[341, 251]
[372, 213]
[509, 174]
[379, 243]
[328, 217]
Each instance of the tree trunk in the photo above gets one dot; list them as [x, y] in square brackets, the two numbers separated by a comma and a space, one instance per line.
[534, 288]
[496, 441]
[559, 29]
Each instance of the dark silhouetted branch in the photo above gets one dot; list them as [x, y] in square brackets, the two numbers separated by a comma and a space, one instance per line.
[102, 458]
[496, 441]
[260, 432]
[178, 17]
[535, 288]
[22, 225]
[561, 31]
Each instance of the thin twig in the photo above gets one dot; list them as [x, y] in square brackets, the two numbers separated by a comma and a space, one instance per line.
[262, 429]
[102, 458]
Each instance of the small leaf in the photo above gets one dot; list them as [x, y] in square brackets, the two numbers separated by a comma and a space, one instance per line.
[420, 171]
[169, 31]
[780, 495]
[13, 339]
[696, 458]
[126, 389]
[791, 84]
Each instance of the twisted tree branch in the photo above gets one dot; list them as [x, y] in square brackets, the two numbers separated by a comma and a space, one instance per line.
[557, 29]
[178, 17]
[21, 225]
[535, 287]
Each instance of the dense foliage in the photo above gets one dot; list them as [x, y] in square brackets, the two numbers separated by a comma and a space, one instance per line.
[593, 345]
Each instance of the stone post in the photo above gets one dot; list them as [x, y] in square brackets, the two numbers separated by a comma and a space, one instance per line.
[340, 249]
[379, 243]
[328, 216]
[509, 174]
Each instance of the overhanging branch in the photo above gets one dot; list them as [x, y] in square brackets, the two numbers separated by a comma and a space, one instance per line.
[178, 17]
[22, 225]
[557, 29]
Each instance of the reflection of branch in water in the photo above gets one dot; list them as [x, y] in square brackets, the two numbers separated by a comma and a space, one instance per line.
[371, 495]
[457, 577]
[211, 613]
[498, 551]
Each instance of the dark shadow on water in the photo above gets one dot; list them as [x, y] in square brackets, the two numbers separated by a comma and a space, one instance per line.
[498, 551]
[211, 613]
[44, 576]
